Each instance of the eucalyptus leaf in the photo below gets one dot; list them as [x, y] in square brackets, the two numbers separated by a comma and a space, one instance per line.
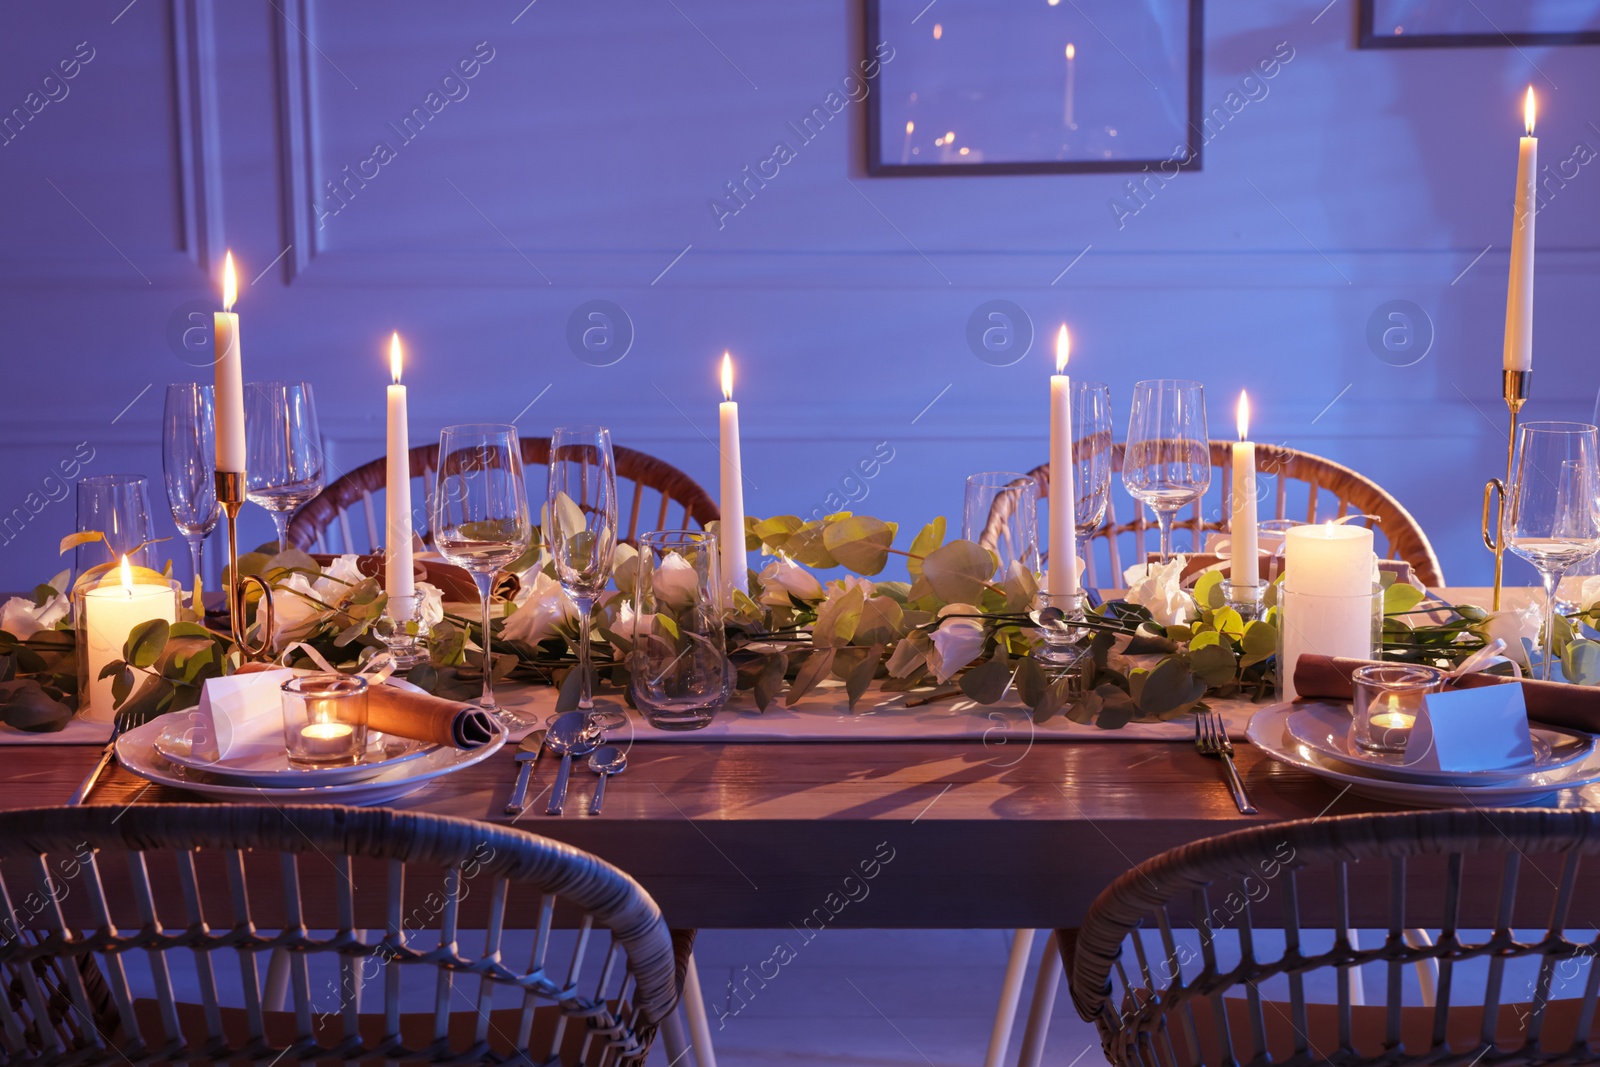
[860, 543]
[1214, 664]
[1168, 686]
[25, 705]
[987, 682]
[1401, 597]
[1208, 590]
[880, 623]
[1054, 699]
[860, 677]
[770, 682]
[838, 617]
[1031, 681]
[146, 642]
[958, 572]
[928, 538]
[1580, 662]
[815, 669]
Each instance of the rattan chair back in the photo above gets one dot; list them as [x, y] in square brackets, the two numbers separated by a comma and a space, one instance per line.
[113, 913]
[653, 495]
[1244, 948]
[1330, 490]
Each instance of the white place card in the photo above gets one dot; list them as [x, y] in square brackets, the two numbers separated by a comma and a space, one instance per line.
[239, 715]
[1481, 729]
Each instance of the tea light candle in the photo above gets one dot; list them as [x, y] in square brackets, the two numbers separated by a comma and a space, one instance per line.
[326, 739]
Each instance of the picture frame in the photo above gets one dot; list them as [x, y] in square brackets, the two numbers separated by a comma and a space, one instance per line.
[1124, 93]
[1481, 24]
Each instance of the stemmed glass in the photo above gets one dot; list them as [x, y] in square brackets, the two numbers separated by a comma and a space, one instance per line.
[1555, 515]
[284, 464]
[580, 530]
[1091, 457]
[188, 462]
[117, 505]
[1168, 458]
[480, 519]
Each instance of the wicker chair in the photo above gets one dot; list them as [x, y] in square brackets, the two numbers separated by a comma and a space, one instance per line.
[331, 508]
[113, 914]
[1241, 949]
[1351, 492]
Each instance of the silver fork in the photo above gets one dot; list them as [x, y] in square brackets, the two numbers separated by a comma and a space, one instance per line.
[1211, 738]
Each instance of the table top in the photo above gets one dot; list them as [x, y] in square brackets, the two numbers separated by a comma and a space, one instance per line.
[767, 835]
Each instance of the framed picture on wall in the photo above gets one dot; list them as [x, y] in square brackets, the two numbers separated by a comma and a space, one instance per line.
[1478, 24]
[1053, 86]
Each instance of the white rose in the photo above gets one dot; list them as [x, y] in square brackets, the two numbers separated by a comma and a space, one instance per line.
[430, 601]
[1589, 597]
[294, 608]
[957, 641]
[338, 578]
[541, 610]
[1157, 588]
[21, 618]
[675, 581]
[627, 624]
[1516, 628]
[784, 577]
[625, 567]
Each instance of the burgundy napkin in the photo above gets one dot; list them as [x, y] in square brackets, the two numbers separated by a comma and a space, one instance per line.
[1576, 707]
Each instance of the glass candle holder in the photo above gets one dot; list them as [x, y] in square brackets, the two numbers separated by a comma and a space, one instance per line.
[325, 719]
[678, 667]
[1247, 598]
[1388, 699]
[403, 629]
[104, 616]
[1059, 618]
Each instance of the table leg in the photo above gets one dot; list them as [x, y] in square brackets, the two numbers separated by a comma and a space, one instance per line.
[1010, 995]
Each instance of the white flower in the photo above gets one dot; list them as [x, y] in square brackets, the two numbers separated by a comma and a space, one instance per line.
[1513, 627]
[675, 581]
[21, 618]
[782, 578]
[1589, 596]
[430, 604]
[338, 579]
[627, 624]
[295, 608]
[957, 641]
[1157, 588]
[541, 609]
[625, 567]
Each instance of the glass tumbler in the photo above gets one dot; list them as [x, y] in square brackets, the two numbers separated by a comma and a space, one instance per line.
[1388, 699]
[678, 667]
[325, 719]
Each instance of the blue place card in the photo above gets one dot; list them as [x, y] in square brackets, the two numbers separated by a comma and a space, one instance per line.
[1483, 729]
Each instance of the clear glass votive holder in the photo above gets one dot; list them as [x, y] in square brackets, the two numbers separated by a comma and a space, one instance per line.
[1387, 701]
[1059, 618]
[1247, 598]
[678, 669]
[325, 719]
[104, 616]
[403, 631]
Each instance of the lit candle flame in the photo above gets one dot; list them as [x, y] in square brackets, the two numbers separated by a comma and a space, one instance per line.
[1071, 51]
[1063, 349]
[727, 376]
[909, 127]
[394, 356]
[950, 138]
[127, 577]
[1243, 415]
[230, 284]
[938, 31]
[1528, 109]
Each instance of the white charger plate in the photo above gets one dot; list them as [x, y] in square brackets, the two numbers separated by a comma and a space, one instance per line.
[136, 751]
[1324, 727]
[273, 769]
[1266, 731]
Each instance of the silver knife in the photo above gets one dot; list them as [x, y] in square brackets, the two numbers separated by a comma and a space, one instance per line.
[529, 751]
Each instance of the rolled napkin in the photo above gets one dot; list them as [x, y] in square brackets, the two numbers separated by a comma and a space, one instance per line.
[1576, 707]
[421, 716]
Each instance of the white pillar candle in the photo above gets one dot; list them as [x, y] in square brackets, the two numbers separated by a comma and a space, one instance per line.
[1244, 566]
[1326, 599]
[110, 614]
[399, 580]
[229, 376]
[735, 564]
[1519, 289]
[1062, 579]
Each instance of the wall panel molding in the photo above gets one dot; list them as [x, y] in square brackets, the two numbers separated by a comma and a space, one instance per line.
[298, 136]
[194, 51]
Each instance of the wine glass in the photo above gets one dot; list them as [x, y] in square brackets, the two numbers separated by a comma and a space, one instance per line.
[1091, 457]
[117, 505]
[580, 530]
[188, 462]
[480, 519]
[1168, 458]
[1555, 515]
[1001, 513]
[284, 464]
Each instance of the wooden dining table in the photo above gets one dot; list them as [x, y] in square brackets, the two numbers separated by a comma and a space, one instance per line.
[915, 834]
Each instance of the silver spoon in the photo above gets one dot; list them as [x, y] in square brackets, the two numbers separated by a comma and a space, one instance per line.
[606, 761]
[570, 735]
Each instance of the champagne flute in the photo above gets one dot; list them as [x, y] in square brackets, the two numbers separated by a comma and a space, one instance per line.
[284, 464]
[581, 533]
[1168, 458]
[188, 462]
[1555, 516]
[480, 519]
[1091, 455]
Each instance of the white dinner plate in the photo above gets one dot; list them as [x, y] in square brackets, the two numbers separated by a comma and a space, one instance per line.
[136, 751]
[1324, 727]
[273, 769]
[1266, 731]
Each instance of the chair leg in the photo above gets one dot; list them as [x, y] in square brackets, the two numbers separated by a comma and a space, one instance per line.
[275, 993]
[1043, 1006]
[674, 1041]
[1010, 996]
[694, 1006]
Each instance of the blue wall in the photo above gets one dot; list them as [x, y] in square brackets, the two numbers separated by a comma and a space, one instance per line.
[582, 162]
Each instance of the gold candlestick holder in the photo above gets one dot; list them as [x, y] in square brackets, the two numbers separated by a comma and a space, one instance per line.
[1514, 386]
[230, 494]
